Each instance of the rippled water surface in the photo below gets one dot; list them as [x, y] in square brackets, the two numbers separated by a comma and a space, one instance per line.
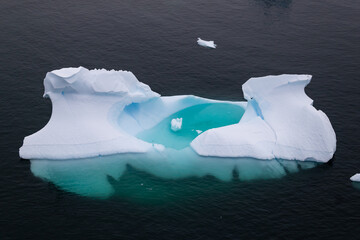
[156, 40]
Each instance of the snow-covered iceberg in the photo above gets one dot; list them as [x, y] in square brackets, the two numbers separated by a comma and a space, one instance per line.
[204, 43]
[99, 112]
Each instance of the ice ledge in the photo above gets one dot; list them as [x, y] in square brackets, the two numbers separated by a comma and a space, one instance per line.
[84, 150]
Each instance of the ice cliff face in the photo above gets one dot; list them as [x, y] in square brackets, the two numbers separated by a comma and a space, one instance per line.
[279, 122]
[99, 112]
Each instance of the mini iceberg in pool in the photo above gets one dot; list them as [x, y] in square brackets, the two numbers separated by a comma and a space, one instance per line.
[110, 116]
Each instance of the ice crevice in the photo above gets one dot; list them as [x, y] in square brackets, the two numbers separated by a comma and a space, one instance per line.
[99, 112]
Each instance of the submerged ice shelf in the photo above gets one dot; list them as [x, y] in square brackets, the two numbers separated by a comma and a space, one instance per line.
[100, 112]
[159, 176]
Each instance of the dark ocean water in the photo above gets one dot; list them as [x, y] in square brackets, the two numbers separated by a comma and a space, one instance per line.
[156, 40]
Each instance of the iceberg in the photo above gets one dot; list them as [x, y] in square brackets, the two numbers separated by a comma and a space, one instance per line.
[355, 178]
[176, 124]
[204, 43]
[99, 112]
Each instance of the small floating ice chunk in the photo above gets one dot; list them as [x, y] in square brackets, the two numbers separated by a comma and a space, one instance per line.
[198, 131]
[204, 43]
[355, 178]
[176, 124]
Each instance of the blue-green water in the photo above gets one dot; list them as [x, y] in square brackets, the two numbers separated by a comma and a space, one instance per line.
[196, 118]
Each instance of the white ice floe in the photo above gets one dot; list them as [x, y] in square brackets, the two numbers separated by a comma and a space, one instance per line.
[176, 124]
[204, 43]
[355, 178]
[99, 112]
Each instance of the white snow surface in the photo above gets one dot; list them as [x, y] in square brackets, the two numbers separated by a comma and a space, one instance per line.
[176, 124]
[279, 122]
[204, 43]
[100, 112]
[355, 178]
